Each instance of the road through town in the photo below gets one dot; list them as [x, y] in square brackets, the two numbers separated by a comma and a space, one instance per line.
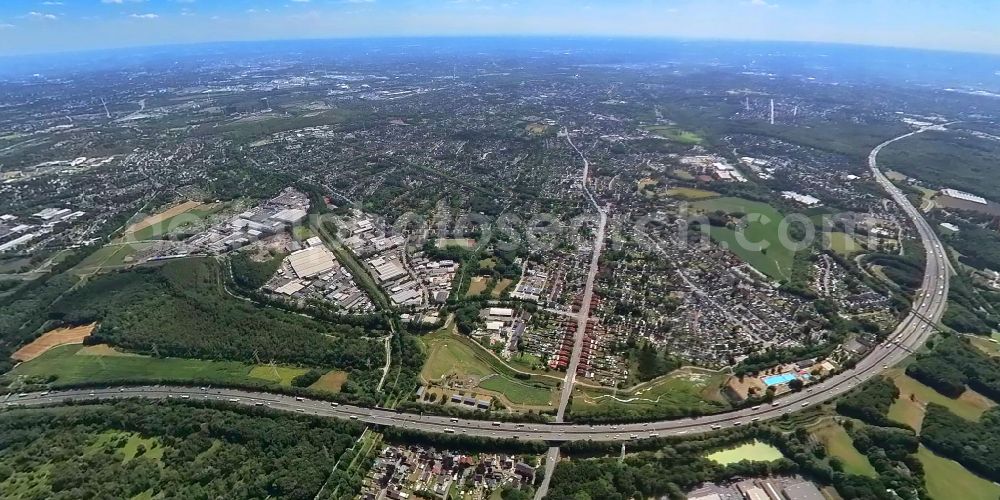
[910, 334]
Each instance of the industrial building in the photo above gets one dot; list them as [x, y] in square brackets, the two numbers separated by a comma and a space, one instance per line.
[311, 261]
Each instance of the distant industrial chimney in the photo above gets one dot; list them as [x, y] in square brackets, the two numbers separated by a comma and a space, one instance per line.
[772, 111]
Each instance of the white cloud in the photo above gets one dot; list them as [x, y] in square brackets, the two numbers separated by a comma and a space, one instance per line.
[301, 1]
[763, 3]
[5, 26]
[119, 2]
[41, 15]
[143, 16]
[52, 3]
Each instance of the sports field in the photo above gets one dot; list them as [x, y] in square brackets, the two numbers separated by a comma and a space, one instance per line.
[51, 339]
[761, 230]
[74, 364]
[462, 242]
[946, 479]
[754, 451]
[914, 397]
[839, 444]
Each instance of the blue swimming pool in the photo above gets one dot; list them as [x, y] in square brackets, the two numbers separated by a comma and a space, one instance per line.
[784, 378]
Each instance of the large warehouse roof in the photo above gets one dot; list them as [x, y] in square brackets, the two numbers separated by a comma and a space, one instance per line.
[311, 261]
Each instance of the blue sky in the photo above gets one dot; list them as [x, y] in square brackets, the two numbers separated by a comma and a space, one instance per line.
[32, 26]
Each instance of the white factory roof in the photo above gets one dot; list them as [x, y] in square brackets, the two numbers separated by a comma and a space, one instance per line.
[291, 287]
[404, 296]
[501, 311]
[290, 215]
[16, 242]
[314, 241]
[311, 261]
[804, 199]
[494, 325]
[962, 195]
[52, 213]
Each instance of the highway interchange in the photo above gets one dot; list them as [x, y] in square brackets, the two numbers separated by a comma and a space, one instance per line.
[910, 334]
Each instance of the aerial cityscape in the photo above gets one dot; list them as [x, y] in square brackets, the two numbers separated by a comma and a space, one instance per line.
[499, 265]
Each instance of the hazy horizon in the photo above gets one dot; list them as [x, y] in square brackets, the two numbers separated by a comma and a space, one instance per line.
[42, 27]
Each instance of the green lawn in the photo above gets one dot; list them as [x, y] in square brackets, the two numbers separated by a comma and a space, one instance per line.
[519, 392]
[170, 224]
[450, 354]
[685, 389]
[675, 134]
[761, 231]
[754, 451]
[985, 344]
[477, 286]
[282, 375]
[302, 233]
[946, 479]
[72, 365]
[128, 444]
[446, 355]
[839, 444]
[108, 257]
[331, 381]
[842, 243]
[690, 194]
[914, 397]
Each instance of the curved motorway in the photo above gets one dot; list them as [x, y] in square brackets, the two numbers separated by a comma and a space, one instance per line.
[909, 334]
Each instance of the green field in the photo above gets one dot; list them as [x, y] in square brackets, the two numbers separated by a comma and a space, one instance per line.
[462, 242]
[690, 194]
[985, 344]
[776, 260]
[842, 243]
[447, 355]
[302, 233]
[681, 391]
[754, 451]
[683, 175]
[109, 257]
[946, 479]
[519, 392]
[839, 444]
[178, 221]
[675, 134]
[74, 364]
[910, 410]
[501, 286]
[127, 443]
[331, 381]
[477, 286]
[452, 355]
[281, 375]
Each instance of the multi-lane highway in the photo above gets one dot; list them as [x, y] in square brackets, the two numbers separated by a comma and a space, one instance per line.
[927, 309]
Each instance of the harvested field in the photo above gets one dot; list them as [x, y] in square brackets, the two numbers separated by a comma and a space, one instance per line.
[162, 216]
[53, 338]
